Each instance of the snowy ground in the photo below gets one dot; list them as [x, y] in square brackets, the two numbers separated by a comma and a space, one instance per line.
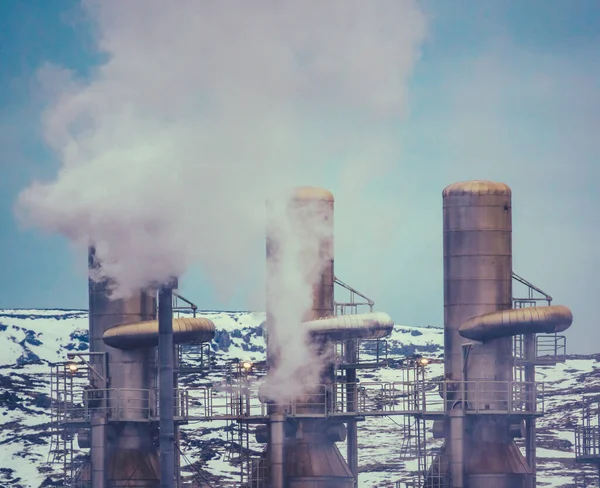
[31, 339]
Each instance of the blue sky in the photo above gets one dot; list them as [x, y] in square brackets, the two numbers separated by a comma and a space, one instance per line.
[502, 90]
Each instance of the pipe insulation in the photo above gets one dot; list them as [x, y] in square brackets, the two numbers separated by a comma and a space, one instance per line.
[145, 334]
[506, 323]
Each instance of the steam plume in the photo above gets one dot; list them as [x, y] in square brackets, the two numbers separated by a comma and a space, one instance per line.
[204, 109]
[301, 244]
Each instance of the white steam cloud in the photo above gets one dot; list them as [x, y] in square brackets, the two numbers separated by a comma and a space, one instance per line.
[301, 247]
[204, 109]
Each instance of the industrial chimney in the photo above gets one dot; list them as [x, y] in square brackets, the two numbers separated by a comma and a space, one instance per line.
[479, 325]
[308, 455]
[122, 450]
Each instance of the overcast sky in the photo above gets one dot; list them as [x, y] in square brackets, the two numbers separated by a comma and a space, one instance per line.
[396, 102]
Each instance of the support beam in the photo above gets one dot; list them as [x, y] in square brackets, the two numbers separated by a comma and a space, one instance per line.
[530, 427]
[277, 446]
[166, 391]
[352, 427]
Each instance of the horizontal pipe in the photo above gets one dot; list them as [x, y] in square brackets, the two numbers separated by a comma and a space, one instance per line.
[374, 325]
[145, 334]
[506, 323]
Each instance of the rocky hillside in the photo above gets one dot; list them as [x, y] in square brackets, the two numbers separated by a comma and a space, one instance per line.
[32, 339]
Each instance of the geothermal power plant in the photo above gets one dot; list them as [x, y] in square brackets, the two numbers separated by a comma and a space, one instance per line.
[123, 401]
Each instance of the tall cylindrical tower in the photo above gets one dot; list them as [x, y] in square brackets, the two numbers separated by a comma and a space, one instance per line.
[305, 227]
[122, 449]
[478, 280]
[311, 458]
[312, 209]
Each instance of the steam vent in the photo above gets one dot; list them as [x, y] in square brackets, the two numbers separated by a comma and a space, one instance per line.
[124, 402]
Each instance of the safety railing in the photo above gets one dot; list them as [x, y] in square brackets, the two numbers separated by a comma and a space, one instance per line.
[369, 399]
[377, 398]
[257, 475]
[118, 404]
[317, 403]
[480, 397]
[431, 474]
[551, 346]
[368, 353]
[494, 397]
[587, 444]
[243, 401]
[115, 404]
[239, 401]
[206, 403]
[549, 349]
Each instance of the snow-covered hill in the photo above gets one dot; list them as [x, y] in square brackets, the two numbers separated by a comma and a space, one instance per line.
[31, 339]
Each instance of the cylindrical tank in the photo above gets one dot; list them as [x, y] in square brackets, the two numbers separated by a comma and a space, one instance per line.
[477, 273]
[311, 458]
[122, 449]
[309, 216]
[313, 212]
[478, 280]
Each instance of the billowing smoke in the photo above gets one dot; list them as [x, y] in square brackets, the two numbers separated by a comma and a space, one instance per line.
[300, 234]
[201, 111]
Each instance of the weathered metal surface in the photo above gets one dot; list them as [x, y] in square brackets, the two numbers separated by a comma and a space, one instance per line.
[123, 451]
[312, 209]
[118, 449]
[375, 325]
[315, 461]
[478, 281]
[311, 458]
[506, 323]
[145, 334]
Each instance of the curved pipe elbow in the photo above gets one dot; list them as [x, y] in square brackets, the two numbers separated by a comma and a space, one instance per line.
[145, 334]
[506, 323]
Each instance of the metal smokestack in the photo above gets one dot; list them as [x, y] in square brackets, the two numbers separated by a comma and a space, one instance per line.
[122, 449]
[166, 390]
[120, 399]
[310, 457]
[478, 280]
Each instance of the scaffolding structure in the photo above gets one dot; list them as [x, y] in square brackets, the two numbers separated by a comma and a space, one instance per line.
[236, 400]
[529, 351]
[65, 379]
[587, 436]
[522, 399]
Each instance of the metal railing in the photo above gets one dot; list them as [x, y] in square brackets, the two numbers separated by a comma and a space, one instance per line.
[116, 404]
[258, 474]
[351, 307]
[432, 475]
[550, 346]
[369, 353]
[587, 435]
[369, 399]
[242, 401]
[587, 444]
[495, 397]
[549, 349]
